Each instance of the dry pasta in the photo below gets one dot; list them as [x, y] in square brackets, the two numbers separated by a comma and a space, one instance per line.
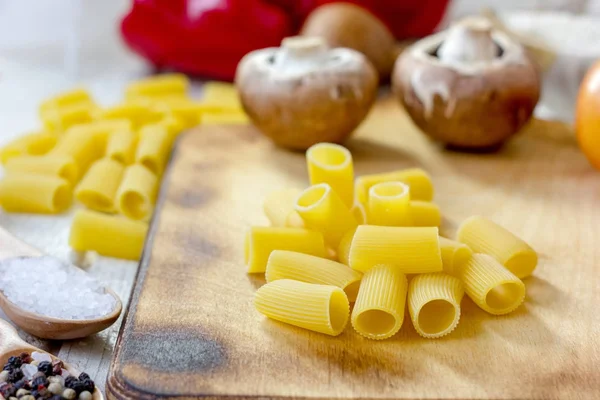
[69, 98]
[279, 208]
[411, 250]
[138, 112]
[343, 250]
[33, 144]
[388, 204]
[153, 149]
[434, 303]
[261, 241]
[62, 118]
[137, 192]
[419, 181]
[332, 164]
[185, 110]
[319, 308]
[322, 210]
[424, 213]
[306, 268]
[485, 236]
[108, 235]
[33, 193]
[173, 125]
[220, 97]
[121, 146]
[359, 212]
[102, 129]
[491, 286]
[61, 166]
[379, 309]
[158, 86]
[98, 188]
[454, 254]
[84, 148]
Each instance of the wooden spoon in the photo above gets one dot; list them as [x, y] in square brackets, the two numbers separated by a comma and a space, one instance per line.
[12, 345]
[40, 325]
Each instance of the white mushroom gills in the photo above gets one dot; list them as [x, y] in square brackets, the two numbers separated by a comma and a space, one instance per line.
[469, 42]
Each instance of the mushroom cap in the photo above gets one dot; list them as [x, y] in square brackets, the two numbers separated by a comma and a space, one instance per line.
[349, 25]
[297, 103]
[467, 105]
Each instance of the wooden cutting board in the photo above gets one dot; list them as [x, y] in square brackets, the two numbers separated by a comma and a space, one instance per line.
[192, 332]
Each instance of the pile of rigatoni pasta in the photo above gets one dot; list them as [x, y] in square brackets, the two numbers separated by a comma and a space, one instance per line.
[109, 159]
[375, 243]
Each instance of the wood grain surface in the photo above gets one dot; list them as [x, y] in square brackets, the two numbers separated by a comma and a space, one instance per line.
[192, 332]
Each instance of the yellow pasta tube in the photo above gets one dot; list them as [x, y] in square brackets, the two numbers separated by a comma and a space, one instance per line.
[32, 193]
[389, 204]
[434, 304]
[102, 130]
[121, 146]
[343, 250]
[306, 268]
[332, 164]
[33, 144]
[83, 148]
[227, 118]
[185, 110]
[419, 181]
[359, 212]
[99, 186]
[491, 286]
[454, 254]
[424, 213]
[411, 250]
[322, 210]
[261, 241]
[108, 235]
[485, 236]
[158, 86]
[138, 112]
[279, 208]
[174, 126]
[379, 309]
[136, 194]
[61, 118]
[220, 97]
[61, 166]
[153, 149]
[69, 98]
[319, 308]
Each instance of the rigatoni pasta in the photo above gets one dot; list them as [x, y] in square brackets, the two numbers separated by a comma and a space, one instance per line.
[158, 86]
[33, 193]
[61, 118]
[485, 236]
[153, 148]
[137, 192]
[359, 212]
[388, 204]
[261, 241]
[98, 188]
[61, 166]
[138, 112]
[419, 181]
[121, 146]
[108, 235]
[322, 210]
[411, 250]
[83, 148]
[279, 208]
[306, 268]
[332, 164]
[32, 144]
[454, 254]
[343, 250]
[491, 286]
[319, 308]
[379, 309]
[434, 303]
[424, 213]
[68, 98]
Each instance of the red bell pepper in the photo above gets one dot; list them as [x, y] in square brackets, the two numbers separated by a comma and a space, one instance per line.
[209, 37]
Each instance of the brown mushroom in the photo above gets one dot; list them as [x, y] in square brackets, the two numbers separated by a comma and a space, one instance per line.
[470, 87]
[348, 25]
[304, 93]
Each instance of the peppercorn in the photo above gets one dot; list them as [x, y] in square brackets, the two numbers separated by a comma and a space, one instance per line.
[15, 375]
[69, 394]
[22, 384]
[56, 397]
[76, 385]
[8, 367]
[57, 367]
[83, 376]
[40, 382]
[85, 395]
[4, 376]
[69, 380]
[25, 357]
[41, 394]
[37, 375]
[22, 392]
[45, 367]
[7, 390]
[88, 385]
[15, 361]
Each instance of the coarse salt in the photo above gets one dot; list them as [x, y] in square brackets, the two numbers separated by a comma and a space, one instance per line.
[46, 286]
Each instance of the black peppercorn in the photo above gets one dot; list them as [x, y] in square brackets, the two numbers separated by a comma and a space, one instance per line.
[8, 367]
[7, 390]
[69, 380]
[15, 361]
[56, 397]
[45, 367]
[39, 382]
[22, 384]
[42, 394]
[83, 376]
[74, 384]
[15, 375]
[88, 385]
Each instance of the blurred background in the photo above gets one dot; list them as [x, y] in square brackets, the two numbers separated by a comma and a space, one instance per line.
[50, 45]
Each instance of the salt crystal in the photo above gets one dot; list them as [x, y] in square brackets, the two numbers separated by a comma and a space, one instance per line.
[46, 286]
[39, 357]
[29, 370]
[64, 373]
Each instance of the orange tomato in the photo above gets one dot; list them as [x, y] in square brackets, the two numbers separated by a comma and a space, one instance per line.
[587, 118]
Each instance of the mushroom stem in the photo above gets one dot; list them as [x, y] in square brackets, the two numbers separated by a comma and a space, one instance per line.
[468, 42]
[301, 54]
